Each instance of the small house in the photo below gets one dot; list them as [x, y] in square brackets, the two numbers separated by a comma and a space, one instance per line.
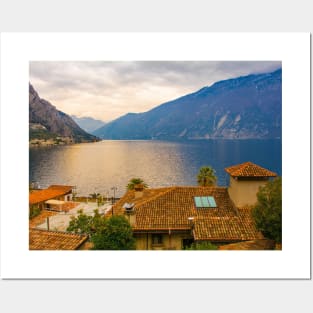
[54, 197]
[245, 181]
[172, 218]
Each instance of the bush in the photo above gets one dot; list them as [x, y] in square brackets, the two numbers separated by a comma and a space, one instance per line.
[86, 224]
[267, 213]
[34, 212]
[113, 233]
[203, 245]
[116, 235]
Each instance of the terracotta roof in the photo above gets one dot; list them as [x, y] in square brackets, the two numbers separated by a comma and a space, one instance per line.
[236, 228]
[53, 240]
[51, 192]
[249, 169]
[258, 244]
[164, 208]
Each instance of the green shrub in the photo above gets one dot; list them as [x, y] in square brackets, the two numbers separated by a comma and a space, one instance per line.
[267, 212]
[34, 212]
[202, 245]
[113, 233]
[116, 235]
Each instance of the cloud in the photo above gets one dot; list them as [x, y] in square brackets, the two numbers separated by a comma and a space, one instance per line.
[107, 90]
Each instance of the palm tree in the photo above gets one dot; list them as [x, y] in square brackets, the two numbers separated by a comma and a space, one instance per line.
[94, 195]
[206, 176]
[136, 181]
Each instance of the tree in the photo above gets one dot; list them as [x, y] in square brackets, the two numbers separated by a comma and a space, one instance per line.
[136, 181]
[203, 245]
[206, 176]
[113, 233]
[116, 235]
[86, 224]
[94, 195]
[267, 212]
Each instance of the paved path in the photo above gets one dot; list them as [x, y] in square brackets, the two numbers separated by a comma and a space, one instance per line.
[61, 220]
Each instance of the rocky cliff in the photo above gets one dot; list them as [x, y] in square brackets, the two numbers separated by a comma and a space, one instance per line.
[46, 122]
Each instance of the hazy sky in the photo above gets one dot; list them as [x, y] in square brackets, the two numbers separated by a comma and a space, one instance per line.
[107, 90]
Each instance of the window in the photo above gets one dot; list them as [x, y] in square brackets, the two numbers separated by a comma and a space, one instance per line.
[157, 239]
[186, 243]
[205, 202]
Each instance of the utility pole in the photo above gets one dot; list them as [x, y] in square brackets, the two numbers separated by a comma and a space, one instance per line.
[114, 189]
[113, 200]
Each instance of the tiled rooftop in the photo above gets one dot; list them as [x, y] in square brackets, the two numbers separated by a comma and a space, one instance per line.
[235, 228]
[249, 169]
[164, 208]
[51, 192]
[52, 240]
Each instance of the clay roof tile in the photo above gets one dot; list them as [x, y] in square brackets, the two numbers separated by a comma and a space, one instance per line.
[169, 208]
[54, 240]
[51, 192]
[249, 169]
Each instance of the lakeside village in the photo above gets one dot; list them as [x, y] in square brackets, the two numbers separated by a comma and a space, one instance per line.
[246, 215]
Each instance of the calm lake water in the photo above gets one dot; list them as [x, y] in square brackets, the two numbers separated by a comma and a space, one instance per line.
[97, 167]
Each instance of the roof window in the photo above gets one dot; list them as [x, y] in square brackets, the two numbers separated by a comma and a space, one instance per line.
[205, 202]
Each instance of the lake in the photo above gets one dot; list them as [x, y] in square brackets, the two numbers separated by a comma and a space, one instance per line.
[99, 166]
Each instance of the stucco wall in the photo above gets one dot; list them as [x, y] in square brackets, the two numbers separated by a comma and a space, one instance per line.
[243, 192]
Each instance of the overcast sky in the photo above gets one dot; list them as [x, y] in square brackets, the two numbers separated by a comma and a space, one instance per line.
[107, 90]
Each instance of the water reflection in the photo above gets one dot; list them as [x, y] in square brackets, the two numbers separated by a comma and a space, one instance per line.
[96, 167]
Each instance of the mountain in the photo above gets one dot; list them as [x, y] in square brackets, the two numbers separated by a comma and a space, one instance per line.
[88, 124]
[242, 108]
[48, 123]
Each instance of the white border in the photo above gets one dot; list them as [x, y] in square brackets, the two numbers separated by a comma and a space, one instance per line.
[293, 49]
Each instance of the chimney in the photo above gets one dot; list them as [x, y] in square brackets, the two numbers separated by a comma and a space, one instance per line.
[130, 213]
[138, 190]
[132, 218]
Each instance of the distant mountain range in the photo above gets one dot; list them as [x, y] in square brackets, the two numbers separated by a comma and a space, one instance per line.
[46, 123]
[240, 108]
[88, 124]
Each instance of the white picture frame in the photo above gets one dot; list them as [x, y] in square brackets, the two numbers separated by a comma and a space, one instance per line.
[292, 262]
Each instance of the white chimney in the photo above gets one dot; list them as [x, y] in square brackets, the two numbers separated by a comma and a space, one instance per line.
[130, 213]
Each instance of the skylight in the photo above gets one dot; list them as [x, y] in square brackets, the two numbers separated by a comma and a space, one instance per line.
[205, 202]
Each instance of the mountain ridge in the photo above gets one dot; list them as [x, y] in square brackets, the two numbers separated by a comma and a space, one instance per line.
[87, 123]
[46, 122]
[246, 107]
